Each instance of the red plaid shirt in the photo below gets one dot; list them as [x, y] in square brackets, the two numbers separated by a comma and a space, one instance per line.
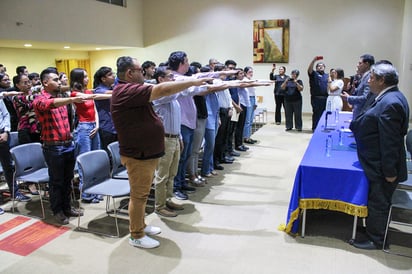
[54, 121]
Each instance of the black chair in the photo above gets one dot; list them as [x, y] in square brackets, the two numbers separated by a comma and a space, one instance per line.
[401, 199]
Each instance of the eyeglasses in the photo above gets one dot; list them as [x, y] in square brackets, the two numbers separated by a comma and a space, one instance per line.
[137, 69]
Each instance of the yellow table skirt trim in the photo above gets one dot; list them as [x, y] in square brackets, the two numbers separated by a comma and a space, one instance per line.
[335, 205]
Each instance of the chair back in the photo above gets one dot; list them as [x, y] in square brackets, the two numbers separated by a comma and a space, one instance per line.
[409, 143]
[115, 154]
[27, 158]
[14, 139]
[94, 167]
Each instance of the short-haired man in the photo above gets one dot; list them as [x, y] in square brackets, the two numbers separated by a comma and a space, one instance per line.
[141, 138]
[379, 134]
[58, 146]
[358, 99]
[318, 82]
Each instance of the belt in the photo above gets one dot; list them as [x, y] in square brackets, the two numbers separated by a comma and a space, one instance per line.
[167, 135]
[57, 143]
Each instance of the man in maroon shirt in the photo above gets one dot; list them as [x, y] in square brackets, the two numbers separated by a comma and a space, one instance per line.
[58, 146]
[141, 138]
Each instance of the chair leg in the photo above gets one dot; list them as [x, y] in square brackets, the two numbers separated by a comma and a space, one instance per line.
[41, 201]
[387, 228]
[115, 214]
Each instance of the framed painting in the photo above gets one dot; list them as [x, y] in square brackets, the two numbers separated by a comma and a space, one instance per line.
[271, 41]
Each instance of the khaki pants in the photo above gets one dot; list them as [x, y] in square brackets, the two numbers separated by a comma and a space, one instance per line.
[140, 178]
[166, 172]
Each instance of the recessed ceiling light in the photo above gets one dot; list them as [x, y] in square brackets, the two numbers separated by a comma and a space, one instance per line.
[27, 45]
[66, 47]
[98, 48]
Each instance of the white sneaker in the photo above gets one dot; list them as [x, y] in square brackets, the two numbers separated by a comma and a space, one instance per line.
[144, 242]
[152, 230]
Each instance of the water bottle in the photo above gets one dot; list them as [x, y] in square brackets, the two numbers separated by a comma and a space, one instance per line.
[341, 136]
[337, 116]
[329, 106]
[328, 145]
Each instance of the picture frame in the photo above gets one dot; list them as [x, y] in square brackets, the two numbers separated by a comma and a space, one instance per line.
[271, 41]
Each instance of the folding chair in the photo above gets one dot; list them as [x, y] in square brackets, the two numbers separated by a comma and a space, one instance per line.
[118, 170]
[401, 199]
[30, 166]
[94, 167]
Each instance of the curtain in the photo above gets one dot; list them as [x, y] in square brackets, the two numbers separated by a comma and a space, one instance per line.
[68, 64]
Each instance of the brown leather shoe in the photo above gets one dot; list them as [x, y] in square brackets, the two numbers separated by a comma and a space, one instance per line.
[166, 212]
[174, 206]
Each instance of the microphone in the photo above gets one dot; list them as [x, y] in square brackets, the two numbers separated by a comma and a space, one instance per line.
[326, 120]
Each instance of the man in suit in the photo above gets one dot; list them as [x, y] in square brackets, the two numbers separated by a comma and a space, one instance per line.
[358, 99]
[379, 133]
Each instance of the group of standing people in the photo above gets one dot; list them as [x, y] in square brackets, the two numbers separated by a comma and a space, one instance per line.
[153, 115]
[379, 124]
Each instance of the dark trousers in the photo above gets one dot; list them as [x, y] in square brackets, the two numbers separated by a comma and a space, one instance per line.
[26, 137]
[60, 161]
[221, 136]
[279, 101]
[318, 107]
[293, 111]
[106, 138]
[379, 201]
[240, 126]
[230, 136]
[6, 163]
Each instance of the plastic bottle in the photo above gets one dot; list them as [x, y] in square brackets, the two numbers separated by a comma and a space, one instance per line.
[341, 136]
[329, 145]
[337, 116]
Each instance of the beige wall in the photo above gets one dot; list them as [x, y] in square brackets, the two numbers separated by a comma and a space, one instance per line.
[340, 30]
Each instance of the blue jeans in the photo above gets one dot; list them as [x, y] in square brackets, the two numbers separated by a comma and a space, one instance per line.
[82, 137]
[250, 111]
[60, 161]
[187, 135]
[207, 163]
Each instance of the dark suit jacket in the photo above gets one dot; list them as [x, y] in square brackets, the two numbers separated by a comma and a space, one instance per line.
[379, 134]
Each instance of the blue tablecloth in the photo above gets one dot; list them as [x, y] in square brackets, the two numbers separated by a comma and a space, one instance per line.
[336, 182]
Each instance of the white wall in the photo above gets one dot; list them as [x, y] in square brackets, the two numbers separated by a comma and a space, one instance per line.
[339, 30]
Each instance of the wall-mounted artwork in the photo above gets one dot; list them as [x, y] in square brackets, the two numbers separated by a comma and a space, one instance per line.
[271, 41]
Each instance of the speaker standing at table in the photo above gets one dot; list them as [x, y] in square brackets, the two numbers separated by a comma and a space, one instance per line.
[379, 134]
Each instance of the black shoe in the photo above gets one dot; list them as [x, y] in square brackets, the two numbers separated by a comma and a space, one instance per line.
[219, 167]
[245, 147]
[227, 162]
[288, 129]
[61, 218]
[72, 212]
[234, 154]
[368, 245]
[188, 189]
[180, 195]
[249, 141]
[240, 148]
[229, 158]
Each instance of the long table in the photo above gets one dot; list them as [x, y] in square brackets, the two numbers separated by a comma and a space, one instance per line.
[335, 182]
